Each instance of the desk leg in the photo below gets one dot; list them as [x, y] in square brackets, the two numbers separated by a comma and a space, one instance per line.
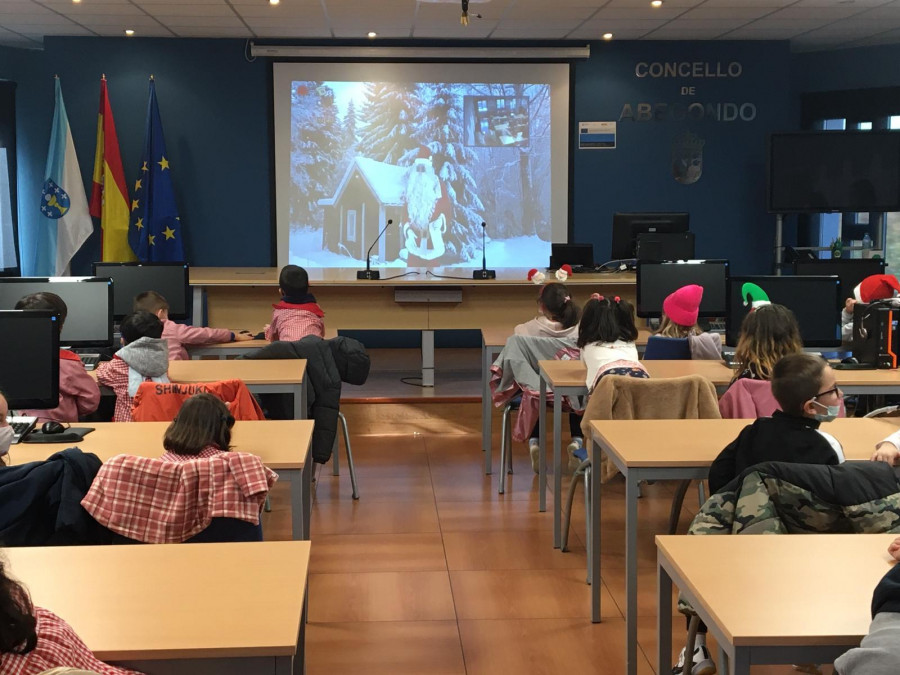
[300, 400]
[557, 473]
[197, 311]
[486, 439]
[301, 498]
[542, 444]
[427, 358]
[632, 490]
[663, 620]
[594, 557]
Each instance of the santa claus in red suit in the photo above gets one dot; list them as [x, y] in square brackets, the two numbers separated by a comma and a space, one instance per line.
[428, 211]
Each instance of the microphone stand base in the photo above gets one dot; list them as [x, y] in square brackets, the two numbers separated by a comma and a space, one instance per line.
[484, 274]
[370, 275]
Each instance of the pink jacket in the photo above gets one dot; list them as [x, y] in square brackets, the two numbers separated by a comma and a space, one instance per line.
[748, 399]
[79, 393]
[178, 335]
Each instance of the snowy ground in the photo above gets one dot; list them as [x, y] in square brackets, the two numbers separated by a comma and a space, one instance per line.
[305, 249]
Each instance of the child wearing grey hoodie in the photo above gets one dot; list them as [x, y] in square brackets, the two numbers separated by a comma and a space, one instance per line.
[143, 357]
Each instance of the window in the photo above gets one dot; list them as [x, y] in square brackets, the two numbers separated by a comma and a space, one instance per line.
[351, 225]
[7, 233]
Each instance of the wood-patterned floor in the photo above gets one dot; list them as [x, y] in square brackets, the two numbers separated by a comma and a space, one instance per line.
[432, 572]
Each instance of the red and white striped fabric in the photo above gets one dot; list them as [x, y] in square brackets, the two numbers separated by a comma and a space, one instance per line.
[57, 645]
[166, 502]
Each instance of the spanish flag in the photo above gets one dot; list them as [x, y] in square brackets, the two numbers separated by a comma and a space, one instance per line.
[109, 195]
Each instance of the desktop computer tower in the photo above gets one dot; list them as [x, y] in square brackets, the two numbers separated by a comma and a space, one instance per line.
[875, 340]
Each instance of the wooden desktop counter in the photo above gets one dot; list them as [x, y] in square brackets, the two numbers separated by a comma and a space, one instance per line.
[242, 297]
[144, 607]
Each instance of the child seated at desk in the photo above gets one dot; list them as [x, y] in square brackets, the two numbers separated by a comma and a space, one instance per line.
[805, 388]
[879, 651]
[34, 640]
[298, 314]
[202, 429]
[680, 310]
[144, 356]
[176, 334]
[78, 391]
[768, 333]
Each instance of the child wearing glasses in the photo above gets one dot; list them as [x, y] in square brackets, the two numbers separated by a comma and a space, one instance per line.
[805, 388]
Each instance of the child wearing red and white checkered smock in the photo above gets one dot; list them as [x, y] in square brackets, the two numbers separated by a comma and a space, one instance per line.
[35, 640]
[177, 334]
[143, 358]
[298, 314]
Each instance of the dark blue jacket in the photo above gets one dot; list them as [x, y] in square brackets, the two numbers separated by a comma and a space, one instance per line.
[41, 501]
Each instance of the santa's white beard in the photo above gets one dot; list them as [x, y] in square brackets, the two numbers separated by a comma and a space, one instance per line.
[422, 193]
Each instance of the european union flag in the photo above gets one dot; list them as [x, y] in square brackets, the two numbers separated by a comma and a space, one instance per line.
[154, 231]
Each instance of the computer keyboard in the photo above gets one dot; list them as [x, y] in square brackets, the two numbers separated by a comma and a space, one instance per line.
[21, 426]
[90, 361]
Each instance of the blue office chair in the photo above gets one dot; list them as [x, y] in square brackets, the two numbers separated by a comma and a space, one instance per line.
[661, 348]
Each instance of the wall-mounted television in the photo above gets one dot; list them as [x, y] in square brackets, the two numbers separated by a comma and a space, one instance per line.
[834, 171]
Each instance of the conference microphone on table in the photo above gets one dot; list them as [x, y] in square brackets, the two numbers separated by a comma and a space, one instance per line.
[369, 273]
[484, 272]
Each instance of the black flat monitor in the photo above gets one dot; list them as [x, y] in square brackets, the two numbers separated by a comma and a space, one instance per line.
[665, 246]
[656, 280]
[850, 271]
[815, 301]
[576, 255]
[88, 299]
[130, 278]
[29, 358]
[627, 226]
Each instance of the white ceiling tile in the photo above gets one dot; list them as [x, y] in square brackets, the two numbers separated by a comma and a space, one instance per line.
[642, 4]
[71, 29]
[663, 13]
[290, 32]
[76, 11]
[859, 4]
[190, 9]
[726, 12]
[23, 8]
[263, 23]
[537, 12]
[553, 24]
[800, 25]
[32, 20]
[475, 29]
[358, 33]
[754, 32]
[313, 13]
[831, 13]
[140, 32]
[97, 20]
[212, 32]
[619, 33]
[890, 10]
[886, 38]
[749, 3]
[537, 32]
[207, 21]
[603, 25]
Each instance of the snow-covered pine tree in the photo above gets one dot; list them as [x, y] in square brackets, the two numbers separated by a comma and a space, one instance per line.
[315, 140]
[386, 132]
[439, 126]
[348, 132]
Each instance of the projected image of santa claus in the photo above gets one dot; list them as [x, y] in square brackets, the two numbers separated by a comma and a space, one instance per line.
[428, 211]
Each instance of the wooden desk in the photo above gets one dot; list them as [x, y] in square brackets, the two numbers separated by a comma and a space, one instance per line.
[637, 449]
[224, 350]
[175, 609]
[283, 445]
[243, 296]
[786, 599]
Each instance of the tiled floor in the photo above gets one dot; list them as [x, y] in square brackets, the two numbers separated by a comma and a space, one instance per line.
[432, 572]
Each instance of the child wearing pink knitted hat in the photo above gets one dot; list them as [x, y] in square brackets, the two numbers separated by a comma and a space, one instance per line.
[679, 320]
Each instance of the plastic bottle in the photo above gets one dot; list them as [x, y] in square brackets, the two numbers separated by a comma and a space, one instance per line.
[837, 249]
[867, 246]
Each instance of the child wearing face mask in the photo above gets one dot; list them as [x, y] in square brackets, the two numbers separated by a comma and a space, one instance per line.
[805, 388]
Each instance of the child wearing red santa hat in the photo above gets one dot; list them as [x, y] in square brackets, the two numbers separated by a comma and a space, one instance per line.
[679, 320]
[870, 289]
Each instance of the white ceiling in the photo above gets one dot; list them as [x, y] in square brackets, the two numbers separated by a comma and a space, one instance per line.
[809, 24]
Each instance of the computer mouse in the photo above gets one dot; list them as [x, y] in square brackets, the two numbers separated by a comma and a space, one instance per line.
[850, 360]
[52, 427]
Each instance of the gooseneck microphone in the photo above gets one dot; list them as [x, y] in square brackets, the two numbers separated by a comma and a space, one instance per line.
[484, 272]
[369, 273]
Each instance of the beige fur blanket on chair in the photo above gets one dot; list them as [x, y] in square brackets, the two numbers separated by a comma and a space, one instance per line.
[618, 397]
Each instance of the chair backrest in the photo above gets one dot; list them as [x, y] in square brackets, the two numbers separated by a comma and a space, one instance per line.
[748, 399]
[173, 502]
[618, 397]
[661, 348]
[157, 402]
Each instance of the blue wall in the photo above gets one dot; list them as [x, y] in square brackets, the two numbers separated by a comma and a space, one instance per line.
[215, 108]
[860, 68]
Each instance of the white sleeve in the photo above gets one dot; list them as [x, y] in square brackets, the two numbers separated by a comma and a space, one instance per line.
[835, 445]
[893, 439]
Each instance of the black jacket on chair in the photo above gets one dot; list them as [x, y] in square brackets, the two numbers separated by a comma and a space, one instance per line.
[42, 501]
[328, 362]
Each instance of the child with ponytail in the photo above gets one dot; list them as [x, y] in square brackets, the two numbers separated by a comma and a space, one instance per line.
[558, 315]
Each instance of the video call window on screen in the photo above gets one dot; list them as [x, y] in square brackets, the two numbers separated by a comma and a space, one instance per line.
[492, 121]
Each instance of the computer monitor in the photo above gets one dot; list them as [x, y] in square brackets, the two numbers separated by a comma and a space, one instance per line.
[656, 280]
[168, 279]
[576, 255]
[665, 246]
[815, 301]
[627, 226]
[29, 358]
[89, 300]
[851, 271]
